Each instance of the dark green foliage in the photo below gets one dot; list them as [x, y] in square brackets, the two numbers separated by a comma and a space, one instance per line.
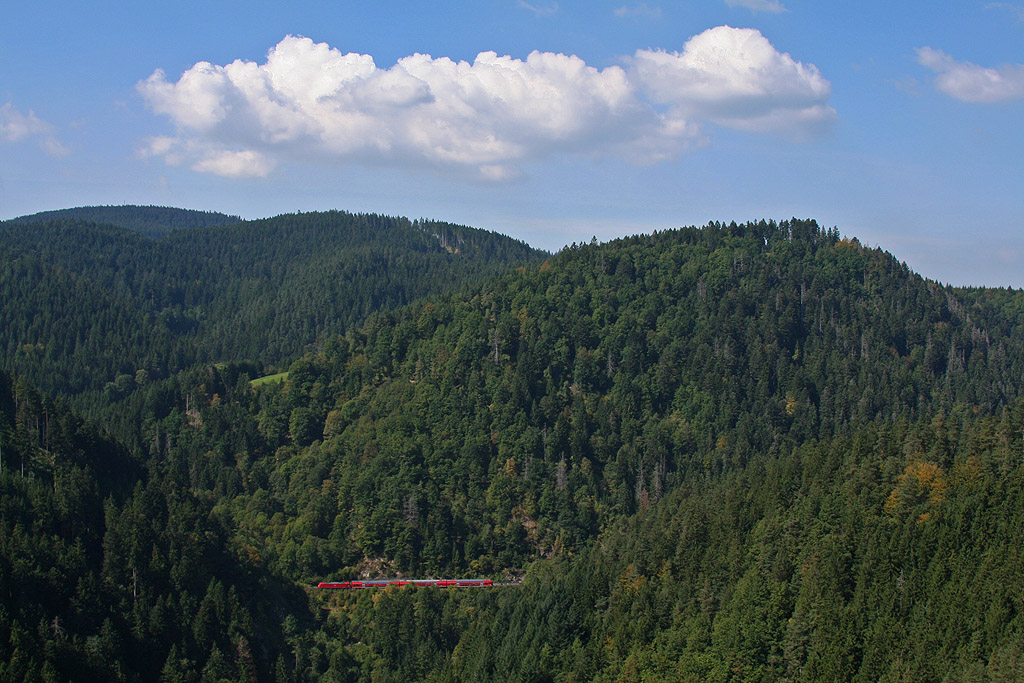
[796, 568]
[153, 221]
[756, 452]
[107, 571]
[92, 308]
[483, 430]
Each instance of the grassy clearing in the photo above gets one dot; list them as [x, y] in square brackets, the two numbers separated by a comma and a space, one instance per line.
[269, 379]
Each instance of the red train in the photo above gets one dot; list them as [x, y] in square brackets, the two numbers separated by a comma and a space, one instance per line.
[438, 583]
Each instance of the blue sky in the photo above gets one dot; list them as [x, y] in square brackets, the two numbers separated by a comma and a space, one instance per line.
[898, 123]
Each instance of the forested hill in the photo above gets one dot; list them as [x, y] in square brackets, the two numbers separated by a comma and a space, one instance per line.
[153, 221]
[756, 452]
[484, 430]
[88, 306]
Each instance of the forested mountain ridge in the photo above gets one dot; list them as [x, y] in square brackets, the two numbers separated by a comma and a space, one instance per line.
[754, 452]
[89, 306]
[152, 221]
[486, 429]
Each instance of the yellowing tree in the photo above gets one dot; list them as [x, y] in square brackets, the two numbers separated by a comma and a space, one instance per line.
[921, 484]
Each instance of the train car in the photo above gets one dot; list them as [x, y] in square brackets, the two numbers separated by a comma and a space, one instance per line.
[436, 583]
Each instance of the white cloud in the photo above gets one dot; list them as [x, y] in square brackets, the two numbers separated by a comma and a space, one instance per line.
[243, 164]
[206, 159]
[772, 6]
[970, 82]
[309, 101]
[15, 126]
[736, 78]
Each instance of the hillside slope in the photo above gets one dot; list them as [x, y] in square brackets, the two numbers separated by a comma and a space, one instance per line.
[152, 221]
[107, 573]
[485, 430]
[891, 554]
[753, 452]
[94, 306]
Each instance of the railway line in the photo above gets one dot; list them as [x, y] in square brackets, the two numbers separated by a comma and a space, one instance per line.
[435, 583]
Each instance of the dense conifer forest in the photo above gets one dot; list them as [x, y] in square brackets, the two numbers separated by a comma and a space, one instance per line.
[758, 452]
[153, 221]
[93, 308]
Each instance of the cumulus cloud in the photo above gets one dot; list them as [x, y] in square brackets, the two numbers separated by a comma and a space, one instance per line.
[311, 101]
[243, 164]
[736, 78]
[772, 6]
[15, 126]
[970, 82]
